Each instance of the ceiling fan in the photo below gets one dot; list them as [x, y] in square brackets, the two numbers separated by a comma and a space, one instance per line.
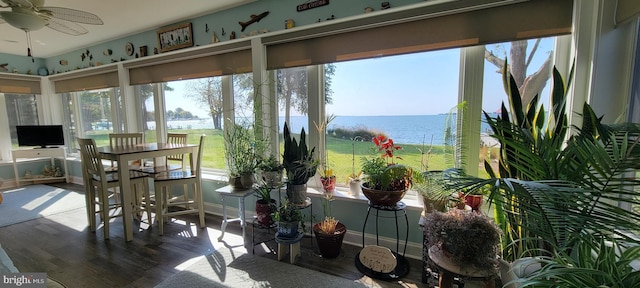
[32, 15]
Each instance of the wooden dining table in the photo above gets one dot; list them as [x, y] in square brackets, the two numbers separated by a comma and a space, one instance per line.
[141, 151]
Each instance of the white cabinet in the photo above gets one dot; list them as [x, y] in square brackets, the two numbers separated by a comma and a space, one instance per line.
[51, 153]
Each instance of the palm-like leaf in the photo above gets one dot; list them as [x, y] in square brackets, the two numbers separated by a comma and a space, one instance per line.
[557, 187]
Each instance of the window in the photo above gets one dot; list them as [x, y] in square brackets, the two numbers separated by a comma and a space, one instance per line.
[96, 114]
[536, 72]
[22, 109]
[406, 97]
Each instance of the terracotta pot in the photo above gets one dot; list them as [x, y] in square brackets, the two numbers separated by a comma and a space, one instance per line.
[381, 197]
[330, 244]
[474, 201]
[263, 212]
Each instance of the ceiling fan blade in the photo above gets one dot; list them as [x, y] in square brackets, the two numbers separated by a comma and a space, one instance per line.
[66, 27]
[72, 15]
[18, 3]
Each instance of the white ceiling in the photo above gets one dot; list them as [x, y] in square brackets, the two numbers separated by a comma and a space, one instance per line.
[121, 18]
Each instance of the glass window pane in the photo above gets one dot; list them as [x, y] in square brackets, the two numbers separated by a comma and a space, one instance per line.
[195, 107]
[96, 118]
[530, 62]
[406, 98]
[22, 109]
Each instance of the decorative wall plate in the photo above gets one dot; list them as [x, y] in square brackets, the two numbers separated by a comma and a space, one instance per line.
[128, 48]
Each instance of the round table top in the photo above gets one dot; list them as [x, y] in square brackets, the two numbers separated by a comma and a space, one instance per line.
[439, 258]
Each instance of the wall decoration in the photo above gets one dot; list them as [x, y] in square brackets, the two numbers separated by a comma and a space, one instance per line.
[107, 52]
[311, 5]
[385, 5]
[175, 37]
[128, 48]
[64, 62]
[3, 67]
[288, 24]
[254, 19]
[143, 51]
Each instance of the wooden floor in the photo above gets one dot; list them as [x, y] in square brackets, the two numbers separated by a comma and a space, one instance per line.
[64, 248]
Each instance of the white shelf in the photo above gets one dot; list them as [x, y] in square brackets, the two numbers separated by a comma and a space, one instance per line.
[36, 153]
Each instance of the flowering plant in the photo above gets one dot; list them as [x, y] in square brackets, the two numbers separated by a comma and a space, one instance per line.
[381, 172]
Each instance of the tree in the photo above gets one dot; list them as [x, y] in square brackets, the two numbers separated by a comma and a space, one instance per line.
[519, 62]
[208, 92]
[146, 92]
[292, 88]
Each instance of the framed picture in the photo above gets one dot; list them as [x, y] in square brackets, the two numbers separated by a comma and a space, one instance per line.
[175, 37]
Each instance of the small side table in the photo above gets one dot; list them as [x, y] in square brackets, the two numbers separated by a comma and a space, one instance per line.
[449, 269]
[294, 247]
[402, 267]
[241, 195]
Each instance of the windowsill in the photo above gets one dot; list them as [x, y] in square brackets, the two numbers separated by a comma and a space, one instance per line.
[340, 194]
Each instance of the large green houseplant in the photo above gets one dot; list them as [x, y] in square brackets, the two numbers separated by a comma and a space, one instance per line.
[557, 187]
[299, 163]
[385, 182]
[242, 153]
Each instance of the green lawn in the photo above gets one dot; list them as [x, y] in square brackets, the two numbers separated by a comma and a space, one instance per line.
[339, 151]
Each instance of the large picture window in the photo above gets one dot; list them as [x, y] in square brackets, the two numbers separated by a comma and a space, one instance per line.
[22, 109]
[406, 98]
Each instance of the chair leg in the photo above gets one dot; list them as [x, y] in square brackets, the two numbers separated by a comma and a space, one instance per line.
[159, 208]
[147, 201]
[105, 211]
[90, 197]
[200, 202]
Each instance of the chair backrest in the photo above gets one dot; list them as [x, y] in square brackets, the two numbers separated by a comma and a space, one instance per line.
[123, 140]
[91, 160]
[197, 171]
[177, 138]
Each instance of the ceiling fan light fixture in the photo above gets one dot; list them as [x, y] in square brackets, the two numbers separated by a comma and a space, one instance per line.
[24, 21]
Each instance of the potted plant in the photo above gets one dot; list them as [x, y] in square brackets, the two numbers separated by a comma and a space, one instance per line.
[242, 154]
[327, 178]
[464, 237]
[354, 179]
[265, 205]
[385, 182]
[430, 185]
[299, 164]
[289, 218]
[271, 171]
[559, 185]
[329, 232]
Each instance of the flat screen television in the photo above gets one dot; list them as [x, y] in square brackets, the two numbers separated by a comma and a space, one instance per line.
[40, 135]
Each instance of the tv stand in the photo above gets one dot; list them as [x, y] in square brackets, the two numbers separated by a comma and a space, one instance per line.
[51, 153]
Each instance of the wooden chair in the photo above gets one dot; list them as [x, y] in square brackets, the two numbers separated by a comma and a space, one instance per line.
[124, 140]
[172, 138]
[191, 201]
[100, 187]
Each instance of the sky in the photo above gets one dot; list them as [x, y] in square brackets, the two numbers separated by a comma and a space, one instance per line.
[411, 84]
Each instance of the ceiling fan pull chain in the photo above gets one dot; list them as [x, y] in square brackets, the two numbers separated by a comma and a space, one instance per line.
[29, 46]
